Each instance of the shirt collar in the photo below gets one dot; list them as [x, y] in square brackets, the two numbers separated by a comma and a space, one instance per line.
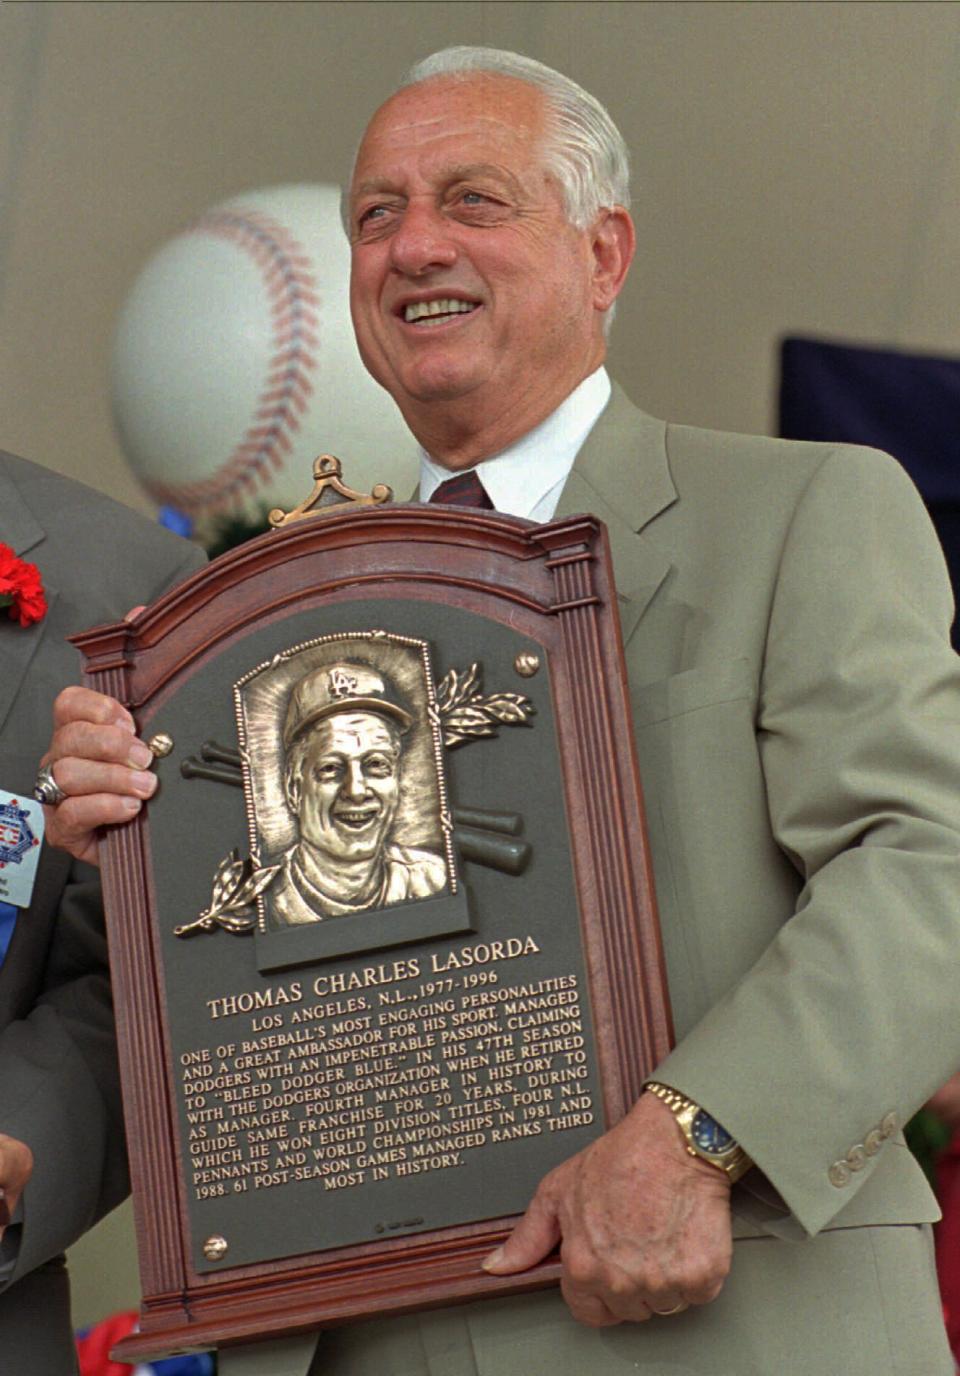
[518, 479]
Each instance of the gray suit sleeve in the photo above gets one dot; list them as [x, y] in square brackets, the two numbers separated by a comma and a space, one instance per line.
[59, 1082]
[59, 1085]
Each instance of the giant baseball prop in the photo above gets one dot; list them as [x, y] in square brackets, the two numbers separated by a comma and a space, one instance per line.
[235, 364]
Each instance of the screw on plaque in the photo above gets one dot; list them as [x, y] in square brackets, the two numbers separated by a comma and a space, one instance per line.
[161, 744]
[215, 1248]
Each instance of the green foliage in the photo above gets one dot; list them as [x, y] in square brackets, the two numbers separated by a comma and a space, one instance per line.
[926, 1137]
[229, 531]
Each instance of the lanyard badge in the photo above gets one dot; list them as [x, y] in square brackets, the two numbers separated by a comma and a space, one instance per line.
[21, 832]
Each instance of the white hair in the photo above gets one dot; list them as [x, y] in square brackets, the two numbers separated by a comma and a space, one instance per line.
[585, 150]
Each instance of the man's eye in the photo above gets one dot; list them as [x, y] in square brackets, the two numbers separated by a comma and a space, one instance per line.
[328, 773]
[474, 199]
[371, 215]
[480, 206]
[378, 766]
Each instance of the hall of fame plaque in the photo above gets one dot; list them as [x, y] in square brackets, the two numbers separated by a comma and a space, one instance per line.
[383, 944]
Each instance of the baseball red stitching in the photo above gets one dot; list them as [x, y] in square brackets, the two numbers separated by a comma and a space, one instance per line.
[284, 269]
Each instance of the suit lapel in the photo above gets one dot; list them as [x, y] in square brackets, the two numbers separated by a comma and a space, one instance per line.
[622, 476]
[20, 529]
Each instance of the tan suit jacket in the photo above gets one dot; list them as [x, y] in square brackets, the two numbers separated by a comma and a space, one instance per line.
[796, 703]
[786, 609]
[797, 709]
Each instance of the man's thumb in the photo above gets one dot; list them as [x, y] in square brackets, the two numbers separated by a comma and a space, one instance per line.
[534, 1237]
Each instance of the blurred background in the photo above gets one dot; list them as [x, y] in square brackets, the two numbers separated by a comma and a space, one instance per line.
[796, 170]
[795, 165]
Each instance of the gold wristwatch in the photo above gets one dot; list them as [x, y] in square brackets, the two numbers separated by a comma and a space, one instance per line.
[703, 1135]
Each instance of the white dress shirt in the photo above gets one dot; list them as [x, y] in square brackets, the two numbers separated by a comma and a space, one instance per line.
[527, 479]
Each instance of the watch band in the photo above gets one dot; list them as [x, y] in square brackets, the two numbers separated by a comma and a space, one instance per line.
[699, 1128]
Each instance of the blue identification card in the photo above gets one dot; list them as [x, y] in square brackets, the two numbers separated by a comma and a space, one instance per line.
[21, 832]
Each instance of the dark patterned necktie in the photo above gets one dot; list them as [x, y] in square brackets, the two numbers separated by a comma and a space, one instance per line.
[465, 489]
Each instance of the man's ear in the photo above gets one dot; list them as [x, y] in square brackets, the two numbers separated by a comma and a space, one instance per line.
[613, 241]
[291, 787]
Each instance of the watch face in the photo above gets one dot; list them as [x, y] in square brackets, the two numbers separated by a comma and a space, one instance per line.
[709, 1136]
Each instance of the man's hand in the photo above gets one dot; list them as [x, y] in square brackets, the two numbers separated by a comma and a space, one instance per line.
[16, 1168]
[100, 764]
[643, 1226]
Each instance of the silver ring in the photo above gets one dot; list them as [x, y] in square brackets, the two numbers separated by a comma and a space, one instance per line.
[46, 789]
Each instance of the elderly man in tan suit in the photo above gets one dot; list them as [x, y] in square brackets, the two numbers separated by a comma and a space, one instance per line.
[797, 707]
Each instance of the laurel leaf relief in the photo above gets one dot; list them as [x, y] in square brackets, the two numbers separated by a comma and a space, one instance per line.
[236, 886]
[467, 715]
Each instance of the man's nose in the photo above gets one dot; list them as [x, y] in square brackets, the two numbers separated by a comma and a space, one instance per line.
[355, 785]
[422, 240]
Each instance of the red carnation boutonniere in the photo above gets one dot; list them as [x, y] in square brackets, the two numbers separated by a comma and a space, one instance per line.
[21, 588]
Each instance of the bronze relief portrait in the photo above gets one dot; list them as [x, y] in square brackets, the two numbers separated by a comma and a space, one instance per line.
[343, 780]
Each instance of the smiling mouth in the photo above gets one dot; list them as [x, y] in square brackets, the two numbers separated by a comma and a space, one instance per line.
[356, 819]
[428, 313]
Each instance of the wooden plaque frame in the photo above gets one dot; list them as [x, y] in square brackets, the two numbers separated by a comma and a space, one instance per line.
[556, 579]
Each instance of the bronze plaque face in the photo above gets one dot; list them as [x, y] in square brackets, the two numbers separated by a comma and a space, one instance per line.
[343, 777]
[353, 1070]
[384, 951]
